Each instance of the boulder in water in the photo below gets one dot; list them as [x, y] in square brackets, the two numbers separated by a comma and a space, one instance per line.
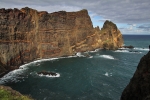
[47, 73]
[130, 47]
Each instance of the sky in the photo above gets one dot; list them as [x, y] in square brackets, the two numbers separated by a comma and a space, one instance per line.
[130, 16]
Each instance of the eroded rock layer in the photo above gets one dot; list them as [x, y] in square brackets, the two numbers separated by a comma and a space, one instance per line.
[27, 35]
[139, 86]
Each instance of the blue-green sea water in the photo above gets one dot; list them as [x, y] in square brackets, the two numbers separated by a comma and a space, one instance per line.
[102, 75]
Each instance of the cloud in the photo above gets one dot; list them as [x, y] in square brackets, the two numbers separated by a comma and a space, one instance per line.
[103, 20]
[136, 29]
[144, 27]
[133, 13]
[121, 11]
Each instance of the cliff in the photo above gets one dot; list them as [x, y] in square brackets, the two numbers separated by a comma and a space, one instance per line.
[139, 86]
[27, 35]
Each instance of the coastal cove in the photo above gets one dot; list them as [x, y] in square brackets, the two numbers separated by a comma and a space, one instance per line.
[100, 76]
[27, 35]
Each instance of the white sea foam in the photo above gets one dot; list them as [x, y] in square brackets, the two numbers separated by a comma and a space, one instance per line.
[107, 56]
[121, 50]
[96, 50]
[142, 49]
[12, 76]
[79, 54]
[41, 75]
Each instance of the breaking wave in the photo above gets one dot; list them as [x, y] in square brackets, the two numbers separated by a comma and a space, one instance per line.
[12, 76]
[142, 49]
[79, 54]
[107, 56]
[121, 50]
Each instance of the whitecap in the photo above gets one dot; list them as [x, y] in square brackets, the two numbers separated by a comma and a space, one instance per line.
[107, 56]
[106, 74]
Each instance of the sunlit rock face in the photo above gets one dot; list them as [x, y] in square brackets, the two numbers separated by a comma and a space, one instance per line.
[27, 35]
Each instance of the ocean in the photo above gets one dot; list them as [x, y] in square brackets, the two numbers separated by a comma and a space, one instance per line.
[102, 75]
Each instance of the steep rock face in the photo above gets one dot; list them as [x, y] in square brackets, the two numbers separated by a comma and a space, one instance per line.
[109, 36]
[27, 35]
[139, 86]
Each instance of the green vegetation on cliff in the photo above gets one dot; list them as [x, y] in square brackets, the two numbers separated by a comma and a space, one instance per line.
[6, 93]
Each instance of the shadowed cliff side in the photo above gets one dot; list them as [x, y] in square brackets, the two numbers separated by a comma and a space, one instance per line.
[139, 86]
[27, 35]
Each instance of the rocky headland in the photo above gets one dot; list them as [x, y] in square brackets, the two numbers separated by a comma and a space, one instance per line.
[139, 85]
[27, 35]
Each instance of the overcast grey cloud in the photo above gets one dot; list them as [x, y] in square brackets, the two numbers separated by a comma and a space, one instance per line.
[145, 27]
[129, 11]
[118, 11]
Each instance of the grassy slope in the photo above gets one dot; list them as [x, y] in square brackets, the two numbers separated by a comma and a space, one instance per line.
[6, 93]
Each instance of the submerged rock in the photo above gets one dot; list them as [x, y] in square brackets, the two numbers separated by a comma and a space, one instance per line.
[130, 47]
[139, 86]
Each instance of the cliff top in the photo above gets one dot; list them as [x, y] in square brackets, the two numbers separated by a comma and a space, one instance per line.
[109, 24]
[27, 9]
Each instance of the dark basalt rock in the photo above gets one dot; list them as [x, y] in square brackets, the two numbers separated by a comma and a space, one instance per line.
[134, 51]
[139, 86]
[47, 73]
[130, 47]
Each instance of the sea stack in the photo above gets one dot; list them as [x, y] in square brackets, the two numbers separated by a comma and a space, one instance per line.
[27, 35]
[139, 85]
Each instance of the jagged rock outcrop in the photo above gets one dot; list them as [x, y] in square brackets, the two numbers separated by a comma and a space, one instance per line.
[139, 86]
[27, 35]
